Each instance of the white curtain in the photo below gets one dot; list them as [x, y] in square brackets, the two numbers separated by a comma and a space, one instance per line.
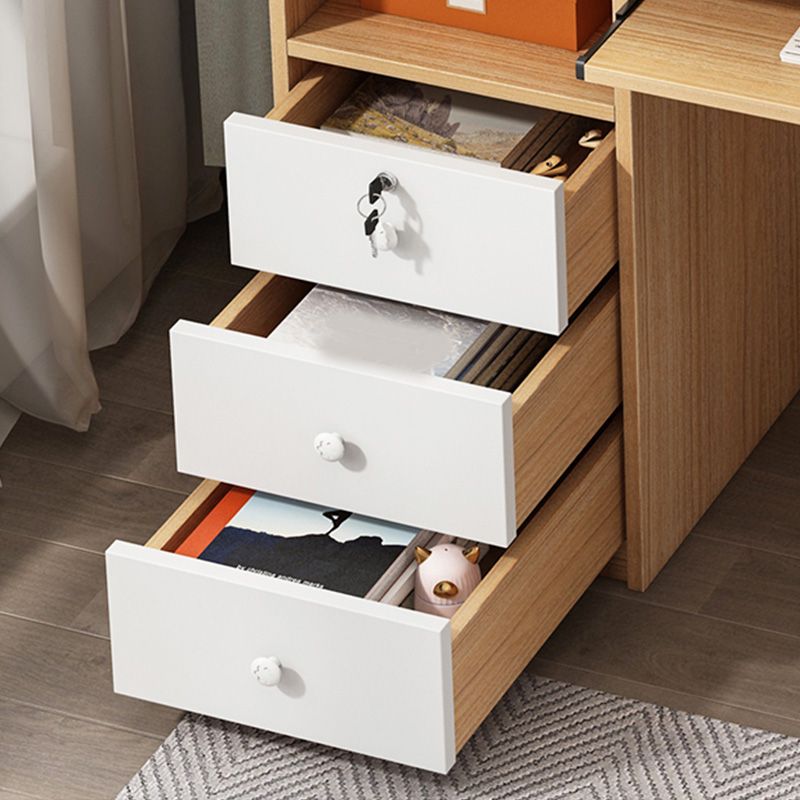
[99, 173]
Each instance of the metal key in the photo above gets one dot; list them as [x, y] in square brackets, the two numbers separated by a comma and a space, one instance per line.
[370, 223]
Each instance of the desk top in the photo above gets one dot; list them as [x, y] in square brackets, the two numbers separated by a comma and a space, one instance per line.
[719, 53]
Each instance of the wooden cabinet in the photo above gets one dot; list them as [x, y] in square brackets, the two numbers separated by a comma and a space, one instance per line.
[537, 471]
[697, 335]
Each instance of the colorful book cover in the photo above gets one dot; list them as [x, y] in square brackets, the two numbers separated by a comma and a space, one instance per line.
[439, 119]
[317, 546]
[377, 331]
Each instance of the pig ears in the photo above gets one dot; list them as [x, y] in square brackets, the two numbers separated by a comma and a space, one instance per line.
[472, 554]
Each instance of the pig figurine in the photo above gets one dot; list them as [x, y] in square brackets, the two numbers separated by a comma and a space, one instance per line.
[446, 574]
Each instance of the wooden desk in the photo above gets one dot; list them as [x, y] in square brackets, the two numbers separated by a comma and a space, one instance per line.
[710, 250]
[717, 53]
[709, 215]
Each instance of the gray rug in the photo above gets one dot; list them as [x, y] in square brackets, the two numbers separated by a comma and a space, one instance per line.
[544, 741]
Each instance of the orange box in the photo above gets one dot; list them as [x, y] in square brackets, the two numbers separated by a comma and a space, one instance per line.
[560, 23]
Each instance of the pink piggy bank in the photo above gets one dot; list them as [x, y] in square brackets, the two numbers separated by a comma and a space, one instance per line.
[446, 575]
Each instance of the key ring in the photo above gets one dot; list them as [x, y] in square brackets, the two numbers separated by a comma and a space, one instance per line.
[363, 197]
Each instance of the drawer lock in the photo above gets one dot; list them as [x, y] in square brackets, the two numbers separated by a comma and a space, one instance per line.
[267, 671]
[382, 182]
[330, 446]
[380, 235]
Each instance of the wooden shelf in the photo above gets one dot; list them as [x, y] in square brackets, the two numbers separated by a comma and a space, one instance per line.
[344, 34]
[719, 53]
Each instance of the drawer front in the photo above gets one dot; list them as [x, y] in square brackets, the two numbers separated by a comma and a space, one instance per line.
[359, 675]
[473, 238]
[419, 450]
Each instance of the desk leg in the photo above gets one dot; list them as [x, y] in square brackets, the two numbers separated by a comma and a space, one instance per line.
[710, 282]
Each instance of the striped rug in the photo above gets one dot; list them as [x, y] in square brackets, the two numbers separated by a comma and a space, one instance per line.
[544, 741]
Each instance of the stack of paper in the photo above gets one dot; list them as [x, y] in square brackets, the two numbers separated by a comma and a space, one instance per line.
[791, 53]
[377, 331]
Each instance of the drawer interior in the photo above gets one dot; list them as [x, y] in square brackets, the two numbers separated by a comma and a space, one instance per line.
[570, 391]
[589, 190]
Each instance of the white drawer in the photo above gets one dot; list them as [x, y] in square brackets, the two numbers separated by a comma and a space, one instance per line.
[379, 680]
[475, 239]
[422, 451]
[195, 628]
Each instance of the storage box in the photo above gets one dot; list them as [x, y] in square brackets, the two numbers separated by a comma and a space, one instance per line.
[560, 23]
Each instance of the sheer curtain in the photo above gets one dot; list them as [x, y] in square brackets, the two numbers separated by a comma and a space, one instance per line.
[99, 173]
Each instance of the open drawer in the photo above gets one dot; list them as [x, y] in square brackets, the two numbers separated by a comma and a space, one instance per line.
[374, 679]
[474, 238]
[420, 450]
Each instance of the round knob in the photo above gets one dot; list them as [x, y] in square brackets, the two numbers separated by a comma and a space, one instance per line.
[267, 671]
[330, 446]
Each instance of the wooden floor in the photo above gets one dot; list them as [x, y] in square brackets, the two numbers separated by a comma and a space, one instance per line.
[718, 633]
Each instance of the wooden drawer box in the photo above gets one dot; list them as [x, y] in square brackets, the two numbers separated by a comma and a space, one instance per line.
[475, 239]
[371, 678]
[423, 451]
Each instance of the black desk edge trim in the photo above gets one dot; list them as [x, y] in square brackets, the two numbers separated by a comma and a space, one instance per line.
[622, 15]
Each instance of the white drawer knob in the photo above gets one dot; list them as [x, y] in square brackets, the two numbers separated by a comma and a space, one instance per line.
[267, 671]
[384, 237]
[330, 446]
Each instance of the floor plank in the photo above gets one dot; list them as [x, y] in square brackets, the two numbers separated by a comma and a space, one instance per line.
[123, 442]
[60, 504]
[679, 651]
[760, 589]
[727, 581]
[758, 508]
[94, 616]
[52, 583]
[658, 695]
[136, 371]
[779, 451]
[688, 580]
[176, 295]
[7, 794]
[56, 757]
[203, 252]
[69, 672]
